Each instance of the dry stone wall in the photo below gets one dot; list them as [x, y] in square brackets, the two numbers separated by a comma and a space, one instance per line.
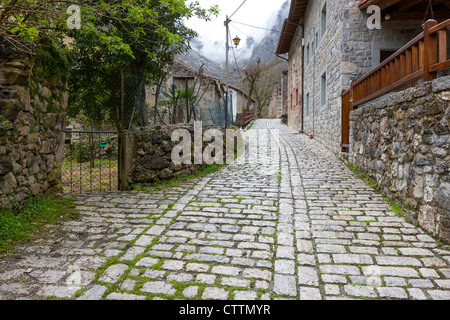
[149, 153]
[31, 132]
[402, 140]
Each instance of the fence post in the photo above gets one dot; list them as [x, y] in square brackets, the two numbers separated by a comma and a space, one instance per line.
[430, 50]
[123, 183]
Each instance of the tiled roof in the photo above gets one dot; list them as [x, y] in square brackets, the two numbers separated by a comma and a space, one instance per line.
[296, 12]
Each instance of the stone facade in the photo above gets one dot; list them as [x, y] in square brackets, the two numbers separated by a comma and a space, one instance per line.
[341, 48]
[295, 67]
[31, 137]
[402, 141]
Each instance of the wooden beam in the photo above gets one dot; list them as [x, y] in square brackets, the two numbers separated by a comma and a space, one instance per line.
[383, 4]
[398, 16]
[407, 4]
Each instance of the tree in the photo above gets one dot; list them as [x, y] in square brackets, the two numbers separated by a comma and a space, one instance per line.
[153, 43]
[259, 80]
[251, 76]
[140, 36]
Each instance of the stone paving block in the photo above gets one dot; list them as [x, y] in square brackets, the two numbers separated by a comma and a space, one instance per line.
[257, 274]
[214, 293]
[174, 265]
[307, 276]
[132, 253]
[146, 262]
[332, 289]
[352, 259]
[360, 291]
[197, 267]
[284, 285]
[307, 293]
[398, 261]
[331, 278]
[340, 269]
[206, 278]
[226, 270]
[415, 252]
[416, 294]
[235, 282]
[113, 273]
[285, 252]
[190, 292]
[158, 287]
[285, 266]
[439, 294]
[124, 296]
[95, 293]
[392, 292]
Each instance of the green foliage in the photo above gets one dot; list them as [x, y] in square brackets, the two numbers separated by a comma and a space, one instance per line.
[17, 227]
[81, 152]
[150, 34]
[52, 59]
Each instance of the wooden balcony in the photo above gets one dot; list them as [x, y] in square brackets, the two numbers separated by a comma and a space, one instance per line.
[421, 58]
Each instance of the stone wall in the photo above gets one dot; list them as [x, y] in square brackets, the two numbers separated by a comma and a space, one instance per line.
[31, 137]
[149, 154]
[402, 141]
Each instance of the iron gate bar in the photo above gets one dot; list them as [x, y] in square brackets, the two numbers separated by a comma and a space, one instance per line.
[92, 153]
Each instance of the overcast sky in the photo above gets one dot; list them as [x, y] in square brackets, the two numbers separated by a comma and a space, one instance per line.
[212, 34]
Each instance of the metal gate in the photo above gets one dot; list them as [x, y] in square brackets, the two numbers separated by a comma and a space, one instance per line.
[91, 161]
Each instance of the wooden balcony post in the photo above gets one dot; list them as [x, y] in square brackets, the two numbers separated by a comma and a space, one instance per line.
[352, 94]
[430, 50]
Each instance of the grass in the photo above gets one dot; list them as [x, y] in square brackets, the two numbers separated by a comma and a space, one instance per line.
[17, 227]
[162, 184]
[396, 206]
[250, 126]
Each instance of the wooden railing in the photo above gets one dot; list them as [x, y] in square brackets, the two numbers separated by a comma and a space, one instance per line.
[247, 116]
[421, 58]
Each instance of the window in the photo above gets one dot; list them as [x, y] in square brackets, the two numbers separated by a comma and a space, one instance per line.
[307, 54]
[291, 102]
[293, 74]
[297, 103]
[323, 89]
[323, 19]
[317, 40]
[307, 104]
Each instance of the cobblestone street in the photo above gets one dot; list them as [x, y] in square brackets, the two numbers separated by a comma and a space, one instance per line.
[287, 221]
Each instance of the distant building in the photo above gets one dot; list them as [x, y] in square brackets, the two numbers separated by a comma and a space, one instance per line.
[208, 106]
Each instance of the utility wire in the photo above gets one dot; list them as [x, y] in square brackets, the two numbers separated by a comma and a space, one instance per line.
[259, 44]
[273, 30]
[237, 9]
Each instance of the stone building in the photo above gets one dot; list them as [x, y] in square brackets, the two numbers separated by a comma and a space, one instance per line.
[274, 109]
[208, 106]
[329, 43]
[239, 100]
